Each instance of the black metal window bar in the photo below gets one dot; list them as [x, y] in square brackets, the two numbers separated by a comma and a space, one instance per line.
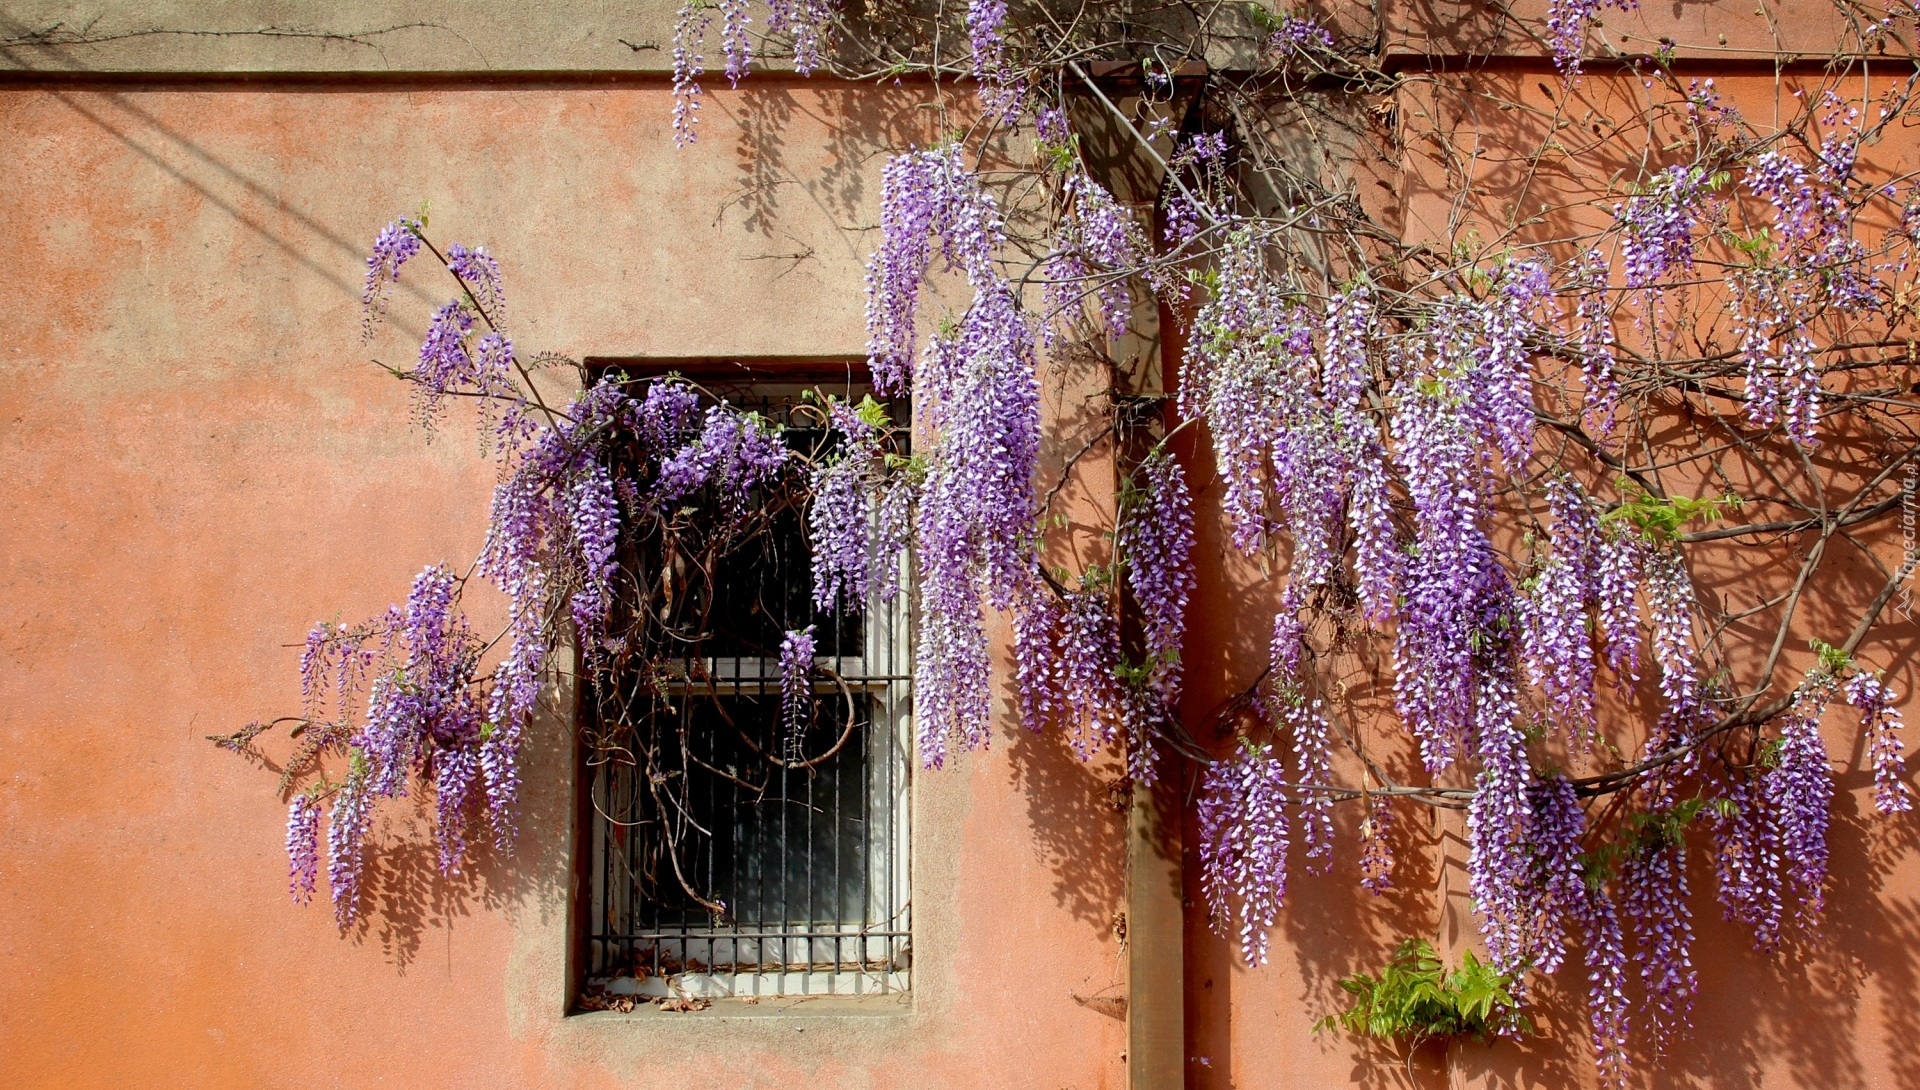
[808, 859]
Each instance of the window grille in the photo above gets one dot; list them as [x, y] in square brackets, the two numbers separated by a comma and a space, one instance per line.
[807, 859]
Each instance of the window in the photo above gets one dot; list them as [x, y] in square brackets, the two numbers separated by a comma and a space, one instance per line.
[729, 855]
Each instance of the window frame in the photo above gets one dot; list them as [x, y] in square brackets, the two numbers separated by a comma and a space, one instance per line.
[889, 769]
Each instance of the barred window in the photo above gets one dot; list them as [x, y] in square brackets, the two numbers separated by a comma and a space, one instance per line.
[730, 854]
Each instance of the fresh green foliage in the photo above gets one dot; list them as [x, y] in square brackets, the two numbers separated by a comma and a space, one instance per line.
[1660, 519]
[1416, 998]
[1833, 660]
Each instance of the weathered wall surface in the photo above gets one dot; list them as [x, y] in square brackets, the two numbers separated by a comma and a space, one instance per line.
[205, 462]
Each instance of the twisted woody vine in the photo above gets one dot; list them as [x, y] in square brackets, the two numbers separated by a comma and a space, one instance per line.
[1504, 461]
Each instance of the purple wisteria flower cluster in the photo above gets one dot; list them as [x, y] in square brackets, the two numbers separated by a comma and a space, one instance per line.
[1567, 24]
[396, 245]
[1155, 540]
[977, 395]
[434, 714]
[796, 690]
[689, 64]
[1298, 38]
[1411, 461]
[1881, 720]
[1244, 838]
[1658, 225]
[1097, 247]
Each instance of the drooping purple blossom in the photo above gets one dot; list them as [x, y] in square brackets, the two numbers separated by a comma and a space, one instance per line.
[734, 44]
[1095, 247]
[1657, 225]
[1747, 859]
[978, 396]
[841, 520]
[1499, 858]
[735, 453]
[1799, 793]
[923, 196]
[1654, 880]
[1771, 309]
[1558, 650]
[1090, 660]
[429, 695]
[796, 689]
[1622, 556]
[479, 274]
[456, 776]
[1499, 368]
[1304, 718]
[805, 22]
[986, 35]
[689, 36]
[1556, 882]
[595, 520]
[1670, 605]
[347, 828]
[1298, 38]
[1156, 541]
[1881, 722]
[1050, 124]
[1599, 408]
[1567, 23]
[1607, 1004]
[1439, 450]
[398, 241]
[1040, 677]
[303, 847]
[1378, 558]
[1244, 837]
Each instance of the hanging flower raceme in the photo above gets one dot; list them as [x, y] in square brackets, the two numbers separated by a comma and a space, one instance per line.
[796, 690]
[1156, 543]
[1621, 557]
[1594, 339]
[1657, 225]
[1090, 662]
[1747, 858]
[1799, 792]
[1558, 650]
[1439, 451]
[1095, 247]
[986, 35]
[978, 396]
[1881, 721]
[1670, 603]
[1567, 24]
[1556, 880]
[1499, 859]
[843, 522]
[303, 847]
[1298, 38]
[689, 36]
[1290, 705]
[1606, 963]
[924, 196]
[805, 22]
[398, 242]
[1244, 838]
[1654, 880]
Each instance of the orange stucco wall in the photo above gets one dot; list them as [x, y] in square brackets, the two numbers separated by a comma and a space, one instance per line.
[203, 463]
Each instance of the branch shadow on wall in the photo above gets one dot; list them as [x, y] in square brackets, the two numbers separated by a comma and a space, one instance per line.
[407, 897]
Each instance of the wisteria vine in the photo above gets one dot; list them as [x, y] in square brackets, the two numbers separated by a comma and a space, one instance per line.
[1502, 470]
